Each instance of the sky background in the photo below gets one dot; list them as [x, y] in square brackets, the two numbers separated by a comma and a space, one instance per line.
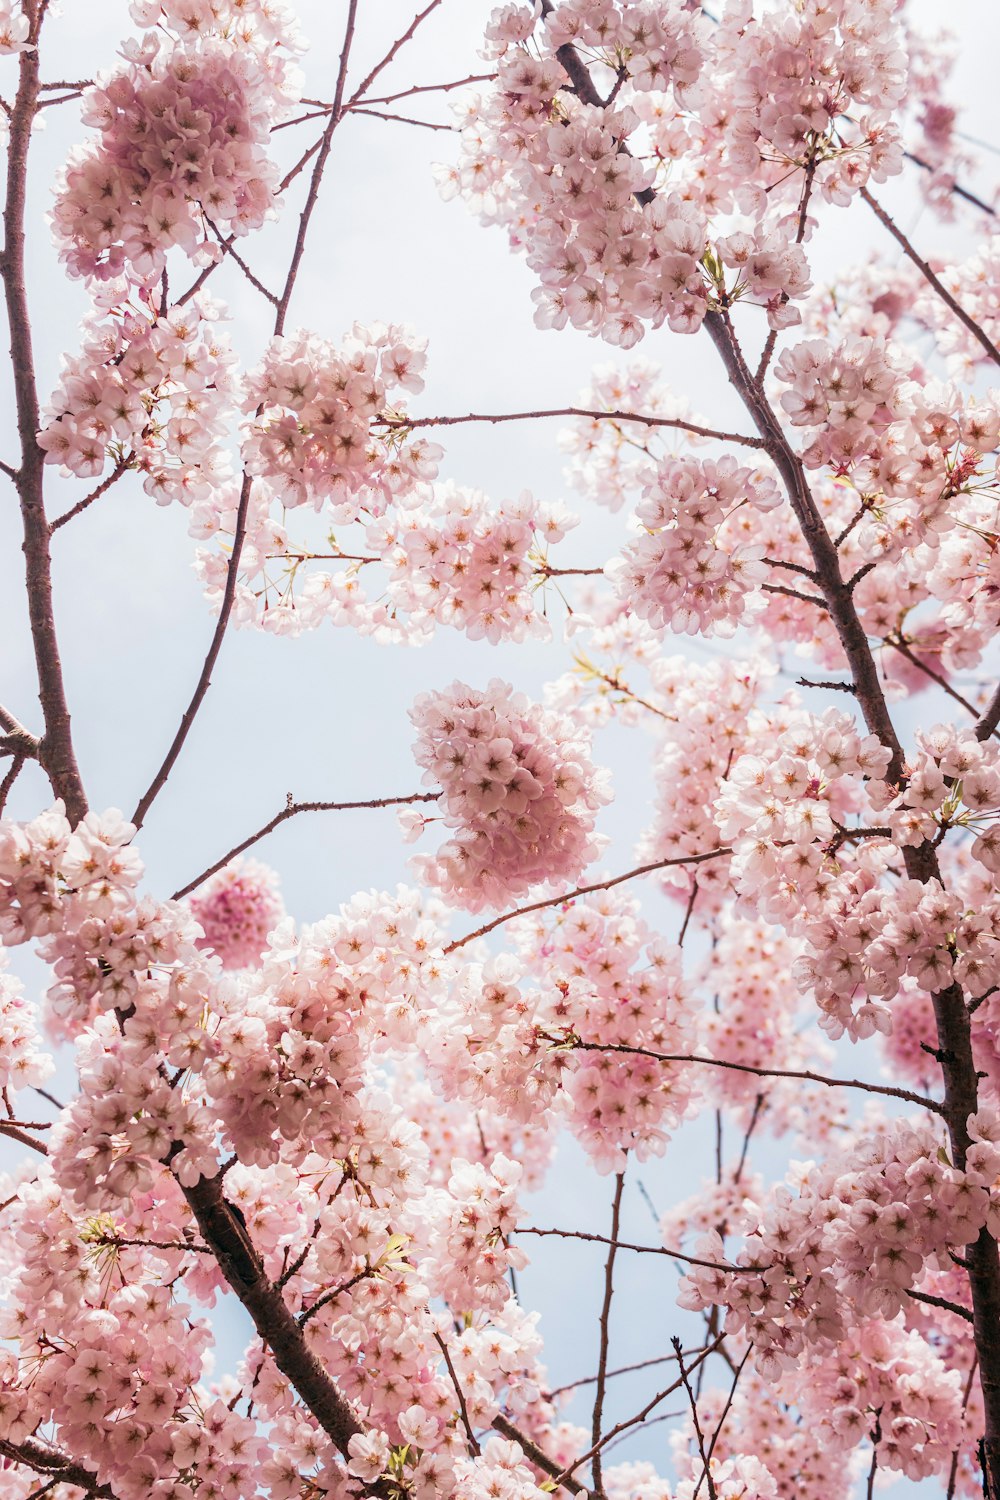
[325, 716]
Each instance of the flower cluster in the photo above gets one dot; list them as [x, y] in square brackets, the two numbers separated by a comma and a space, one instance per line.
[519, 791]
[456, 558]
[845, 1241]
[569, 1032]
[237, 909]
[676, 575]
[310, 434]
[181, 155]
[152, 392]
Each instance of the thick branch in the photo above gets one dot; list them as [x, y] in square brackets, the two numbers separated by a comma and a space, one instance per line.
[49, 1462]
[242, 1267]
[55, 752]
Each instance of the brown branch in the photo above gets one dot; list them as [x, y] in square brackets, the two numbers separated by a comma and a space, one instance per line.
[706, 1472]
[379, 114]
[586, 890]
[956, 187]
[850, 631]
[396, 47]
[643, 419]
[463, 1409]
[322, 155]
[17, 1134]
[640, 1416]
[430, 88]
[898, 644]
[55, 752]
[541, 1460]
[642, 1364]
[292, 810]
[95, 494]
[932, 1301]
[243, 1270]
[664, 1250]
[6, 785]
[205, 679]
[603, 1324]
[805, 1076]
[985, 342]
[44, 1460]
[991, 717]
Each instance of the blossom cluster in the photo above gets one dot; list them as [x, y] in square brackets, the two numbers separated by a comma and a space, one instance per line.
[311, 411]
[181, 157]
[519, 791]
[153, 392]
[237, 909]
[676, 575]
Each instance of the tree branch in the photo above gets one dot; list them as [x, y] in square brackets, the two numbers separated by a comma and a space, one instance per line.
[292, 810]
[604, 1325]
[642, 418]
[984, 341]
[586, 890]
[718, 1062]
[55, 751]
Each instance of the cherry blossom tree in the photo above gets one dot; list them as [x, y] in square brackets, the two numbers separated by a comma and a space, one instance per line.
[337, 1125]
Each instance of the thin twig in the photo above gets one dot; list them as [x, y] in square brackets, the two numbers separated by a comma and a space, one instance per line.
[603, 1324]
[665, 1250]
[978, 333]
[463, 1409]
[95, 494]
[706, 1472]
[205, 678]
[643, 419]
[396, 47]
[292, 810]
[737, 1067]
[586, 890]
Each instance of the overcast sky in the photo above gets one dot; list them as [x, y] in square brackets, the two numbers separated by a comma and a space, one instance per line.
[325, 716]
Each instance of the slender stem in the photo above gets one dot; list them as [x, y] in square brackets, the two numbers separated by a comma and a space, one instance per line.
[706, 1472]
[586, 890]
[642, 418]
[642, 1364]
[292, 810]
[95, 494]
[205, 678]
[984, 341]
[396, 47]
[664, 1250]
[605, 1334]
[898, 644]
[805, 1076]
[322, 155]
[641, 1415]
[463, 1409]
